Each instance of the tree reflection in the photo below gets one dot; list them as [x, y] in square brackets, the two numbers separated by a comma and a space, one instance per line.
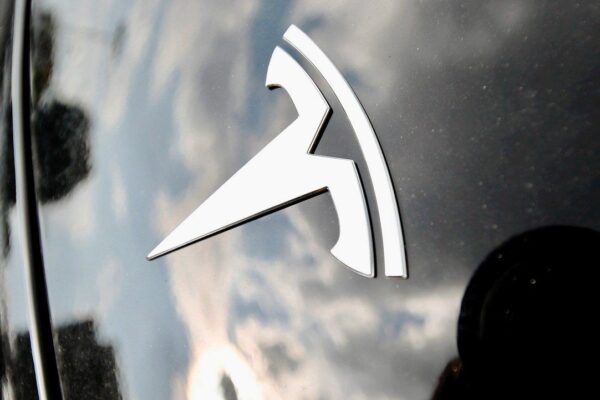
[60, 131]
[88, 367]
[61, 138]
[61, 160]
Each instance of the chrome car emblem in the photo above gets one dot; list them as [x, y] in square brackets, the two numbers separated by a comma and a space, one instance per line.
[286, 171]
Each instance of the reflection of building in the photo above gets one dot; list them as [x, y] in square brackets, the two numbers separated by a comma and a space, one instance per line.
[88, 368]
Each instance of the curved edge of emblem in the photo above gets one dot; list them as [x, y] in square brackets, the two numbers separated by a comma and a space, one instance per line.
[394, 253]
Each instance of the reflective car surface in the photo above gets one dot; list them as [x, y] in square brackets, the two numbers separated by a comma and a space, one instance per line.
[487, 113]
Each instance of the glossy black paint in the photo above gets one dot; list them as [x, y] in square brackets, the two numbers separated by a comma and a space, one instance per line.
[488, 116]
[524, 320]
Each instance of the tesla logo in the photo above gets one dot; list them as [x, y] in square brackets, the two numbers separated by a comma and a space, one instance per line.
[287, 171]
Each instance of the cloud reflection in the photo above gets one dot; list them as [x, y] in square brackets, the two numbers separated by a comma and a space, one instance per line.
[305, 325]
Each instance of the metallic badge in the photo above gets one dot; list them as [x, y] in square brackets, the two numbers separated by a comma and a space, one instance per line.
[286, 171]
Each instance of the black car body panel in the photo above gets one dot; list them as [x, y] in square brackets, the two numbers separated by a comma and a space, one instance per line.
[487, 113]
